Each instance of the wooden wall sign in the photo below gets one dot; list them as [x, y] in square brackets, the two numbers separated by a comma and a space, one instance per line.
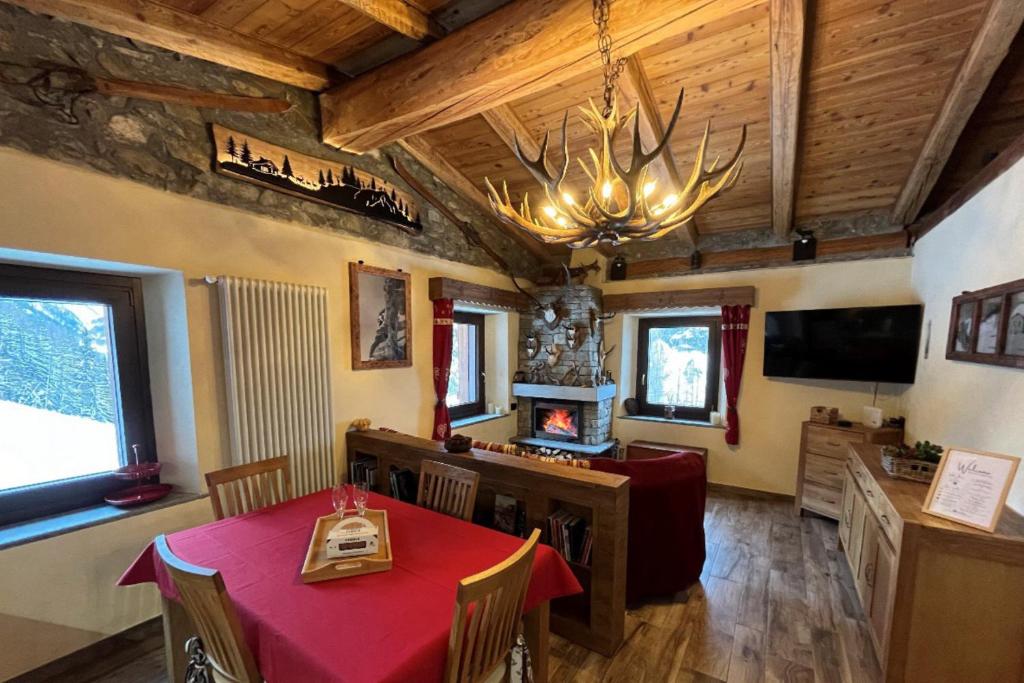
[987, 326]
[244, 157]
[971, 487]
[381, 317]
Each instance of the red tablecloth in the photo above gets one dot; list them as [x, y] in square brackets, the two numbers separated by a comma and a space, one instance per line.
[390, 626]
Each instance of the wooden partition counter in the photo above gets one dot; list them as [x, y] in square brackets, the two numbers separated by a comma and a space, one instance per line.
[595, 619]
[943, 601]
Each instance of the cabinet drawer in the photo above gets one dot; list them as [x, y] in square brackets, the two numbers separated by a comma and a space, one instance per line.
[831, 442]
[890, 523]
[825, 471]
[823, 499]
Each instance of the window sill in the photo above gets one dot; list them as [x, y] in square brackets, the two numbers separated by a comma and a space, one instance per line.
[83, 518]
[665, 420]
[476, 419]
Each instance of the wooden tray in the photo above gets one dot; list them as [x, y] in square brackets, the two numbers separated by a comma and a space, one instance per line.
[318, 567]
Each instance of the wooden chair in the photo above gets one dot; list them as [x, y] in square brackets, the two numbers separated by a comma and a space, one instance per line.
[209, 606]
[249, 487]
[447, 489]
[488, 608]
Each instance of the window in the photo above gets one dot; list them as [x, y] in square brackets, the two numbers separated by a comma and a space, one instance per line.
[678, 363]
[74, 388]
[466, 380]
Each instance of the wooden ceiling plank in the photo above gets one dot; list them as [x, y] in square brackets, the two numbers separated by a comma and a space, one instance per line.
[436, 163]
[636, 90]
[787, 49]
[174, 30]
[514, 51]
[399, 16]
[999, 26]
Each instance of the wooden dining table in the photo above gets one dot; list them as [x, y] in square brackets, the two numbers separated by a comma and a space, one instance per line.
[385, 627]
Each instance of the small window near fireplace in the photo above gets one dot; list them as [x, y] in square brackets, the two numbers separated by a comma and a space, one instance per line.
[557, 420]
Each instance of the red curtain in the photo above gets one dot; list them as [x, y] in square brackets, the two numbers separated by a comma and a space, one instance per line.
[735, 324]
[443, 311]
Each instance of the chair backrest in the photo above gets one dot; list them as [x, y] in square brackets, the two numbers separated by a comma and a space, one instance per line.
[244, 488]
[448, 489]
[488, 607]
[208, 605]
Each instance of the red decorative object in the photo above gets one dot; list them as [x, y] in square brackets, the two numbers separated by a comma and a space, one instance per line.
[666, 522]
[389, 627]
[444, 309]
[735, 327]
[137, 495]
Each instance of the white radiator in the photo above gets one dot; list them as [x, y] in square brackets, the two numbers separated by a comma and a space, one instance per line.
[277, 375]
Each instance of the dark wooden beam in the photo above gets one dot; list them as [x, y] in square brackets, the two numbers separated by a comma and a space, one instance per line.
[457, 290]
[787, 51]
[513, 52]
[995, 168]
[679, 298]
[999, 26]
[763, 257]
[171, 29]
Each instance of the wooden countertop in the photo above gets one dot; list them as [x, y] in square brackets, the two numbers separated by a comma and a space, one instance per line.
[907, 497]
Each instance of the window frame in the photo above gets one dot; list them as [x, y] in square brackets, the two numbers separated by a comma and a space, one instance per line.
[711, 395]
[478, 407]
[134, 401]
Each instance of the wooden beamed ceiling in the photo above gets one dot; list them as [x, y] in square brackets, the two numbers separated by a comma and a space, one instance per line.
[856, 110]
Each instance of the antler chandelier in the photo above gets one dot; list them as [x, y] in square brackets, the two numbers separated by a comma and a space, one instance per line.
[622, 203]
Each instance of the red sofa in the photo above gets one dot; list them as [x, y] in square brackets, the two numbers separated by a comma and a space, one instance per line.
[666, 522]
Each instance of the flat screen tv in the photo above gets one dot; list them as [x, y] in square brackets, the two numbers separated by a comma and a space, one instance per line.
[876, 344]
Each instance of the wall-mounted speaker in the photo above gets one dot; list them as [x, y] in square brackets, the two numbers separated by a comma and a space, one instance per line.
[617, 269]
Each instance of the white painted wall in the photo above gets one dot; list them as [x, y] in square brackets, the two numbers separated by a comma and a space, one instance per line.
[966, 404]
[67, 212]
[771, 410]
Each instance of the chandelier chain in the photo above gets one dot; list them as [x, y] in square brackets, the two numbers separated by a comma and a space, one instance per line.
[612, 69]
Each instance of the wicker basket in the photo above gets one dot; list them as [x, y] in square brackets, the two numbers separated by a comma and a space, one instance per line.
[909, 468]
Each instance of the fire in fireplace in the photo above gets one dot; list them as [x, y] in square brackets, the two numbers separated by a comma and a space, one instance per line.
[557, 420]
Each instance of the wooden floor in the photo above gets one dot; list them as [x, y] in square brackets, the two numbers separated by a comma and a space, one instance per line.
[776, 603]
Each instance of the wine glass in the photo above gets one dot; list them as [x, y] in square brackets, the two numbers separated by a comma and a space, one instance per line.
[339, 498]
[360, 492]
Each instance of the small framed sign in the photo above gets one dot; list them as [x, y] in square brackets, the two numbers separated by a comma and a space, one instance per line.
[970, 487]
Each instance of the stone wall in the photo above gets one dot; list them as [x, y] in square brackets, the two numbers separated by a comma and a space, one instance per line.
[575, 305]
[168, 146]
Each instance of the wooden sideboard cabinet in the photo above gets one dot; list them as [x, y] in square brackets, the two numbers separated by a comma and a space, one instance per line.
[823, 450]
[943, 601]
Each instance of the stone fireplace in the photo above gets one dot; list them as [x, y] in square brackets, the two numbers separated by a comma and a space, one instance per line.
[564, 401]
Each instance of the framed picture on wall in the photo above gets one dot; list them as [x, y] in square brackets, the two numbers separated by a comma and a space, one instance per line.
[381, 317]
[987, 326]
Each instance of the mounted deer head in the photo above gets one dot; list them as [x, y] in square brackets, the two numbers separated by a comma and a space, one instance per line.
[532, 345]
[551, 313]
[572, 336]
[598, 319]
[554, 352]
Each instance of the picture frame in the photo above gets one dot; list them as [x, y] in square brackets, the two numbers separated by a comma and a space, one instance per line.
[987, 326]
[971, 486]
[380, 317]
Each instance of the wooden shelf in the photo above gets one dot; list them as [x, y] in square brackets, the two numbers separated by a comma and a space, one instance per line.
[594, 619]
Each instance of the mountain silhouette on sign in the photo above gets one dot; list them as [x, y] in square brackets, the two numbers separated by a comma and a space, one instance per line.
[343, 190]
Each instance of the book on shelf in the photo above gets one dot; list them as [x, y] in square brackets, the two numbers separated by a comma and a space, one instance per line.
[403, 484]
[506, 513]
[363, 469]
[570, 535]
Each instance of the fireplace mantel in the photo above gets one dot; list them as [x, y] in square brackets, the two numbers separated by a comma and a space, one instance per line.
[589, 394]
